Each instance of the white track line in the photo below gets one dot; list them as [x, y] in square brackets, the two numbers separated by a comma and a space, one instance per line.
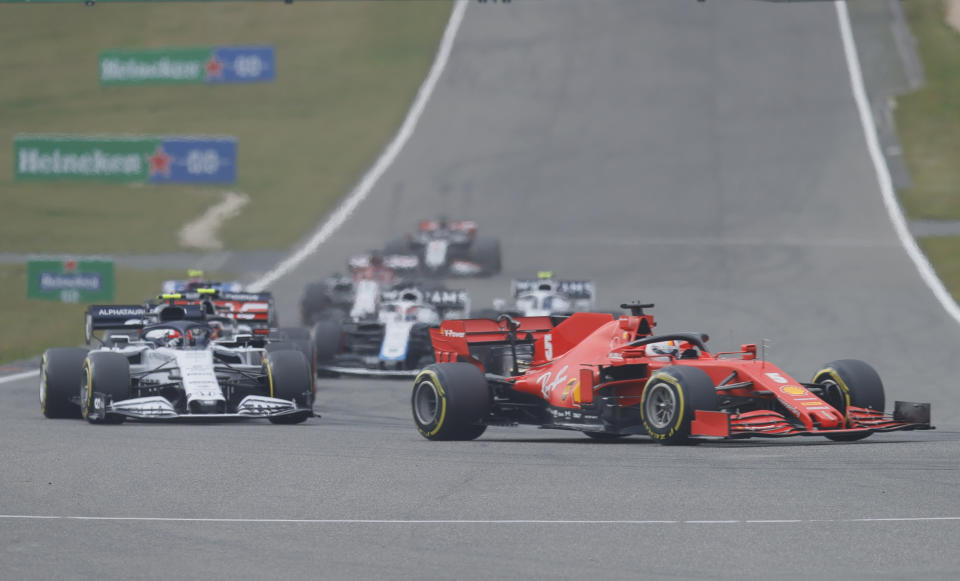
[19, 376]
[386, 159]
[927, 273]
[362, 190]
[474, 521]
[360, 193]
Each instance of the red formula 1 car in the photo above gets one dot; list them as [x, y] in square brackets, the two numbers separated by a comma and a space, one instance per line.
[253, 310]
[610, 378]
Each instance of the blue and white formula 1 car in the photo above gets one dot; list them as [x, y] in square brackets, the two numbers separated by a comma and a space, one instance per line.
[173, 369]
[395, 341]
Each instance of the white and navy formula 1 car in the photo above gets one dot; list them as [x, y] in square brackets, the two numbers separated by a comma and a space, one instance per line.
[173, 368]
[395, 341]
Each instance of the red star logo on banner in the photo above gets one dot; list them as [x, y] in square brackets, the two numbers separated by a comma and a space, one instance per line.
[159, 162]
[69, 265]
[214, 67]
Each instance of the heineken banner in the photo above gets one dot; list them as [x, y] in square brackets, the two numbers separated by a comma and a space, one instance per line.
[220, 64]
[154, 160]
[70, 281]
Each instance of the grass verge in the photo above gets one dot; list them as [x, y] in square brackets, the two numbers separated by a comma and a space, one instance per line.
[928, 125]
[942, 253]
[346, 74]
[928, 120]
[32, 326]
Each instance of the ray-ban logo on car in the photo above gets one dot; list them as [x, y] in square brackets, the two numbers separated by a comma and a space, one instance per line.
[449, 333]
[547, 386]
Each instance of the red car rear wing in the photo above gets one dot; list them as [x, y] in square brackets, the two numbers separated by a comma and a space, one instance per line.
[452, 340]
[250, 312]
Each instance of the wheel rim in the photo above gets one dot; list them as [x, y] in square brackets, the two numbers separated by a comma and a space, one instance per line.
[426, 403]
[834, 395]
[660, 406]
[85, 391]
[43, 387]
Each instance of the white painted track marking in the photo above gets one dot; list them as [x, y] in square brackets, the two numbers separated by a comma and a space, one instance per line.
[362, 190]
[476, 521]
[19, 376]
[386, 159]
[927, 273]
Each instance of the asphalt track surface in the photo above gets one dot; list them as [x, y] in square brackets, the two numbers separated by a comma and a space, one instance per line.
[704, 157]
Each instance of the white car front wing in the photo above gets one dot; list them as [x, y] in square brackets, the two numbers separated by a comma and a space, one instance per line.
[159, 408]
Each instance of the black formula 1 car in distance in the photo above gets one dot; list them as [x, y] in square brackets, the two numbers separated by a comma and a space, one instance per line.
[441, 248]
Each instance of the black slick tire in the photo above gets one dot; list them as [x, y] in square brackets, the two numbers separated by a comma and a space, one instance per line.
[314, 303]
[304, 345]
[486, 252]
[449, 401]
[850, 382]
[61, 372]
[106, 373]
[669, 400]
[419, 347]
[327, 337]
[288, 377]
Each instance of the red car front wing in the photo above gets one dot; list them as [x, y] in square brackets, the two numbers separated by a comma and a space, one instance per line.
[770, 424]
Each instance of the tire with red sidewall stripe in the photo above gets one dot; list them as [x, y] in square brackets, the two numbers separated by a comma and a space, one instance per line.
[670, 398]
[449, 401]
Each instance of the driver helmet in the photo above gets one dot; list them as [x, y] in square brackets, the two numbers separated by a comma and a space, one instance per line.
[173, 338]
[411, 313]
[376, 259]
[199, 337]
[663, 348]
[426, 315]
